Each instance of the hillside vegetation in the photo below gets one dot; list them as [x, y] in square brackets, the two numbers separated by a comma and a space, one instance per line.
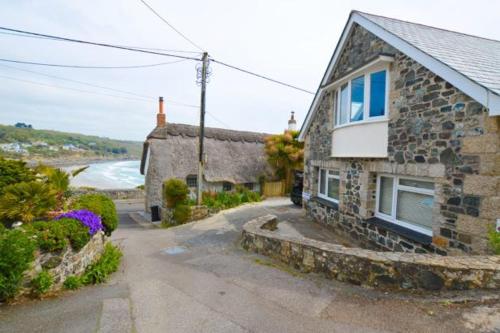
[34, 144]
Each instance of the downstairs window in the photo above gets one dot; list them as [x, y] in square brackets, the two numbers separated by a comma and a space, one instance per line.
[406, 201]
[328, 185]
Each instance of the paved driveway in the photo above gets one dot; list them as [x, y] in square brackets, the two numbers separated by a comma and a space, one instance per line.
[196, 278]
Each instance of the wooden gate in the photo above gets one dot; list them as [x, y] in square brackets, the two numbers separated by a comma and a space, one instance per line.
[274, 189]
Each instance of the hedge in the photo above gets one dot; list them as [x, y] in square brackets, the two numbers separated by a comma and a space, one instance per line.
[102, 205]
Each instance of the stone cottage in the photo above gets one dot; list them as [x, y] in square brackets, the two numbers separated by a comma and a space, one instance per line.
[402, 138]
[171, 151]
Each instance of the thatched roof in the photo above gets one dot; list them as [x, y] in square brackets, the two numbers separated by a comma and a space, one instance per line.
[232, 156]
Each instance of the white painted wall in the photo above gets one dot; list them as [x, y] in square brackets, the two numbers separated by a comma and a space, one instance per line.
[364, 139]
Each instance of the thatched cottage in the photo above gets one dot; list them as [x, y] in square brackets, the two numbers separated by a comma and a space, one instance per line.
[402, 140]
[231, 158]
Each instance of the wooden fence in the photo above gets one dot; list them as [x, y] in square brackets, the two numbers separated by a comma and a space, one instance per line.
[274, 189]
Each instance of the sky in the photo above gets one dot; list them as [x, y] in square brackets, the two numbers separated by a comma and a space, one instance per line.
[288, 40]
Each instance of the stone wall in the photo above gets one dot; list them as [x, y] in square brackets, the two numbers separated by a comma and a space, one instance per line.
[385, 270]
[115, 194]
[435, 131]
[69, 262]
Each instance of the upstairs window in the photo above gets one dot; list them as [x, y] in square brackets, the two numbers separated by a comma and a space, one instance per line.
[377, 94]
[406, 201]
[328, 188]
[362, 98]
[357, 98]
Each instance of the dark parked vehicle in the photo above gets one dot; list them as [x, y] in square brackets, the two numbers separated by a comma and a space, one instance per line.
[296, 193]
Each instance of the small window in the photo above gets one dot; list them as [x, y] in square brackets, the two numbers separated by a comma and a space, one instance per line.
[227, 186]
[249, 186]
[406, 201]
[377, 94]
[357, 98]
[328, 188]
[192, 181]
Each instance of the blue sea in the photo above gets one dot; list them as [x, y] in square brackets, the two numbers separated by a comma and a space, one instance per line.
[109, 175]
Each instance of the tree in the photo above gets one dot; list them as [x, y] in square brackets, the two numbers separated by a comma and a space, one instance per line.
[285, 154]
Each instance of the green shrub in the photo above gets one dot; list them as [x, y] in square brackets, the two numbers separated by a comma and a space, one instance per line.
[16, 254]
[42, 283]
[181, 213]
[175, 191]
[225, 200]
[51, 236]
[494, 240]
[13, 172]
[77, 233]
[72, 282]
[101, 205]
[26, 201]
[100, 270]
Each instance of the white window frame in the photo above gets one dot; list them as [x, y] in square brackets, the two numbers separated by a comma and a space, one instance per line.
[366, 100]
[395, 188]
[328, 175]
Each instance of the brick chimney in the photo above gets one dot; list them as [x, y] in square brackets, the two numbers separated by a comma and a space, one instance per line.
[161, 120]
[292, 124]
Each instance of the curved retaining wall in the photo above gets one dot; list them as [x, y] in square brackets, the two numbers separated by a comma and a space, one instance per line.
[387, 270]
[66, 263]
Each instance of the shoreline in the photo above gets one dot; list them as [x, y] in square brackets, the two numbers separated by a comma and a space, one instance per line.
[77, 162]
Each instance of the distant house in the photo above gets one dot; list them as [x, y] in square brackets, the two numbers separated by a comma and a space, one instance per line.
[231, 158]
[402, 140]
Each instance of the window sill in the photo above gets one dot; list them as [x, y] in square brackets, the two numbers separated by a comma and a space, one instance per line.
[362, 122]
[326, 202]
[405, 232]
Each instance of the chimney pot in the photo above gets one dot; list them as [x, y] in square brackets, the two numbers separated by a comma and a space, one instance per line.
[292, 123]
[161, 119]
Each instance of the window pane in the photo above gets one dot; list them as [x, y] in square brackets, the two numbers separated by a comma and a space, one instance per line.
[344, 105]
[377, 94]
[357, 98]
[385, 195]
[336, 107]
[333, 188]
[415, 208]
[416, 183]
[333, 172]
[322, 179]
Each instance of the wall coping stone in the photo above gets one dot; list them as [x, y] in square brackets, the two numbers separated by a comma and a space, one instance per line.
[389, 270]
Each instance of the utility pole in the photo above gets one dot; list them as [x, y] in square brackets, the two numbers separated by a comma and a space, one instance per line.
[201, 161]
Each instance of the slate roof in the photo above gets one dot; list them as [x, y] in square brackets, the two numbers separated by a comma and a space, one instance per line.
[475, 57]
[470, 63]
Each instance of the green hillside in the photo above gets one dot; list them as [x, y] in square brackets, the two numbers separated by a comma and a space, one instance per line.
[29, 143]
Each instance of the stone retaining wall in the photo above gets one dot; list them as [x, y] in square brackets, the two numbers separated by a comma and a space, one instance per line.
[66, 263]
[384, 270]
[115, 194]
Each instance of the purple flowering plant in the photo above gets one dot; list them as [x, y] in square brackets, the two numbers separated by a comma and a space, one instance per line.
[86, 217]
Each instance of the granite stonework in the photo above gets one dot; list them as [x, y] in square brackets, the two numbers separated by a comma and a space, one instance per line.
[436, 132]
[68, 262]
[197, 213]
[114, 194]
[384, 270]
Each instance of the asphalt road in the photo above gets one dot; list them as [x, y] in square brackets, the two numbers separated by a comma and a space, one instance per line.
[196, 278]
